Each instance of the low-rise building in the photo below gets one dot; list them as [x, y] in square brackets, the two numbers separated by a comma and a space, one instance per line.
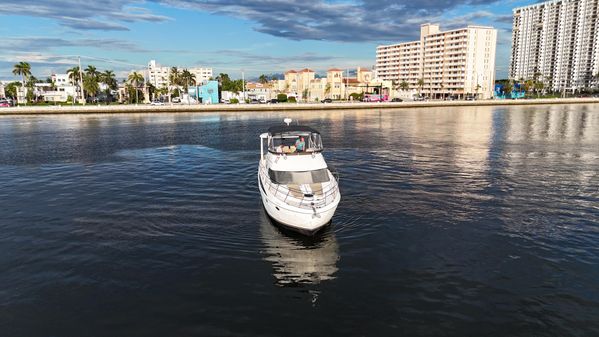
[259, 91]
[305, 86]
[206, 93]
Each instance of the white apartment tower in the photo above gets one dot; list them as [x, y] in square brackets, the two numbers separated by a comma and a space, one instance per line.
[456, 62]
[556, 42]
[157, 74]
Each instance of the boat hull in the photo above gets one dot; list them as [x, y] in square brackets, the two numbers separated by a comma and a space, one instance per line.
[307, 222]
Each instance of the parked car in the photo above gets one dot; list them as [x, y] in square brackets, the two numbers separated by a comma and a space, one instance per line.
[452, 98]
[225, 101]
[4, 103]
[273, 101]
[254, 101]
[262, 101]
[420, 98]
[470, 98]
[176, 100]
[396, 99]
[105, 99]
[157, 102]
[326, 100]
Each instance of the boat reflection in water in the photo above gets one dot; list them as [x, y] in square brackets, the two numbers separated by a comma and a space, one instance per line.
[298, 259]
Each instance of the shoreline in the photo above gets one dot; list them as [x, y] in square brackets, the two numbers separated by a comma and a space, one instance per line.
[146, 108]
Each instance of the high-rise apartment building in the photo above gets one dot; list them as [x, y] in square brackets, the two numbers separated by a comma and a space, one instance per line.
[457, 62]
[556, 42]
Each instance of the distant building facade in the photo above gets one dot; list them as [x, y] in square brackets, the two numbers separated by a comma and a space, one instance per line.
[206, 93]
[259, 91]
[457, 62]
[305, 86]
[158, 75]
[556, 42]
[202, 75]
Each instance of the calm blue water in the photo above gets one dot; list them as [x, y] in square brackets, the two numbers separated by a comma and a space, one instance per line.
[457, 222]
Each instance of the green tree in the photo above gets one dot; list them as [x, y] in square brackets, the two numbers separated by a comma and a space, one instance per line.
[404, 85]
[92, 72]
[90, 85]
[22, 69]
[11, 89]
[529, 86]
[305, 94]
[282, 98]
[175, 76]
[357, 96]
[30, 85]
[186, 79]
[420, 85]
[508, 87]
[109, 79]
[90, 81]
[74, 75]
[263, 79]
[136, 79]
[327, 90]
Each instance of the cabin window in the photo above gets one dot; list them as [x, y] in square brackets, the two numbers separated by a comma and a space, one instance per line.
[299, 177]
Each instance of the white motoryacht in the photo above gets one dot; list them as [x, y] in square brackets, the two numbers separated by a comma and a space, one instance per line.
[298, 189]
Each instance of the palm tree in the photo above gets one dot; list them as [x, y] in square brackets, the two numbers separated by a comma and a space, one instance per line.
[327, 89]
[174, 76]
[22, 69]
[90, 84]
[90, 80]
[31, 81]
[420, 85]
[263, 79]
[508, 88]
[74, 75]
[135, 79]
[404, 85]
[187, 78]
[109, 79]
[91, 71]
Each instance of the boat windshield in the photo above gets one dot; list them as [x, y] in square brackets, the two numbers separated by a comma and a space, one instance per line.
[299, 177]
[295, 142]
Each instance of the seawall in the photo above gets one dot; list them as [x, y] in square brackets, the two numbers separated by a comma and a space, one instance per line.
[146, 108]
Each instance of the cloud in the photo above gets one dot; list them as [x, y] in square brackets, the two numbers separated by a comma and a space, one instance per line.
[367, 20]
[245, 57]
[39, 44]
[508, 18]
[256, 63]
[82, 15]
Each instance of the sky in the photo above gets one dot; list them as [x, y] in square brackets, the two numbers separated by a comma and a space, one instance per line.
[251, 36]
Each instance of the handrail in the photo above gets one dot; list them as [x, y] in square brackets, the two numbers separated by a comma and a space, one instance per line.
[315, 201]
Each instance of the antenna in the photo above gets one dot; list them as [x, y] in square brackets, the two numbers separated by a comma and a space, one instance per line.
[288, 121]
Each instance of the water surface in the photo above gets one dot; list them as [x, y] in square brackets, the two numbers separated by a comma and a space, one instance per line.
[453, 221]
